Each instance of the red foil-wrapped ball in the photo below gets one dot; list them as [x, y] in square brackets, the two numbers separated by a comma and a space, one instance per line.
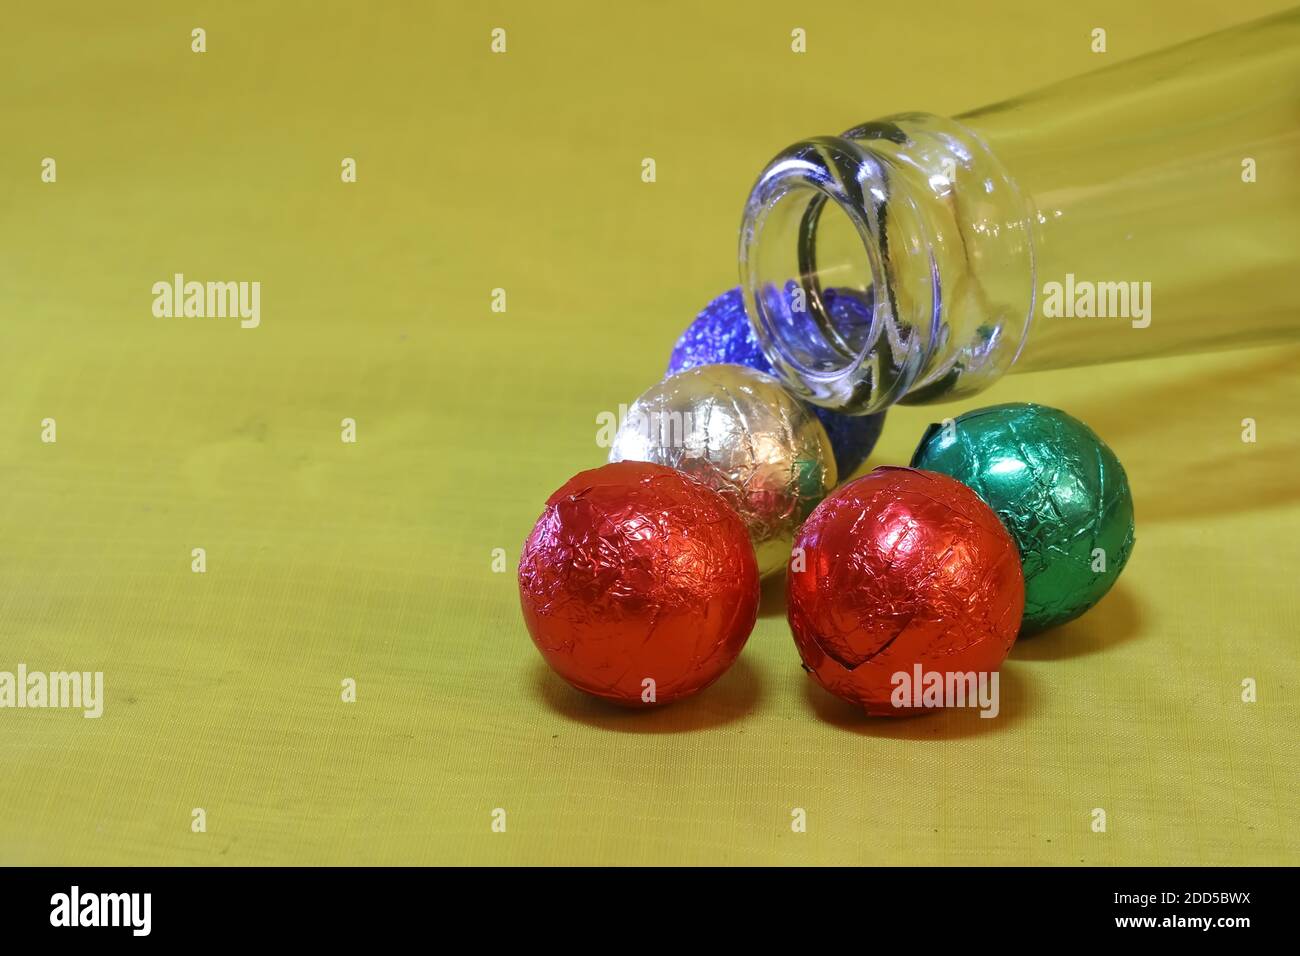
[897, 569]
[636, 573]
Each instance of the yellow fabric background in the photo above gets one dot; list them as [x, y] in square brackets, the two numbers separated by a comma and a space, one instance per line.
[373, 561]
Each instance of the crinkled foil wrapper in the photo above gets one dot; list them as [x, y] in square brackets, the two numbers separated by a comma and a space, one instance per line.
[743, 435]
[721, 334]
[635, 572]
[902, 567]
[1057, 487]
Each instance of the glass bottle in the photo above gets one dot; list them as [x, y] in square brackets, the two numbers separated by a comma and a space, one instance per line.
[1149, 208]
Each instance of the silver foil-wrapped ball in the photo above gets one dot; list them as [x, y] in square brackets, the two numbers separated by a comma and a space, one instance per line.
[743, 435]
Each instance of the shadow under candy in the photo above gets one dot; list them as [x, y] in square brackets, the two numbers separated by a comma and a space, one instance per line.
[1115, 619]
[771, 601]
[731, 697]
[1016, 696]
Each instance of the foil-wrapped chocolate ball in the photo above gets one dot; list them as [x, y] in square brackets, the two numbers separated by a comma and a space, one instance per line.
[721, 334]
[1057, 487]
[743, 435]
[897, 570]
[638, 584]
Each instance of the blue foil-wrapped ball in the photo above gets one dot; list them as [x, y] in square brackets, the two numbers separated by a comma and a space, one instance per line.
[721, 333]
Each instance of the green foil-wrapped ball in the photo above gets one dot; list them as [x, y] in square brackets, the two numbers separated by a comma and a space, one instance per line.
[1057, 487]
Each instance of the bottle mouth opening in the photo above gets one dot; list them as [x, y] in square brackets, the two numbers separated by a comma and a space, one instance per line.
[819, 305]
[814, 271]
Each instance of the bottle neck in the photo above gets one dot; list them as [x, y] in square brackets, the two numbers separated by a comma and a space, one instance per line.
[1110, 217]
[893, 262]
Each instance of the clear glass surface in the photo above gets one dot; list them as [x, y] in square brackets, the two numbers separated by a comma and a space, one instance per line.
[1150, 208]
